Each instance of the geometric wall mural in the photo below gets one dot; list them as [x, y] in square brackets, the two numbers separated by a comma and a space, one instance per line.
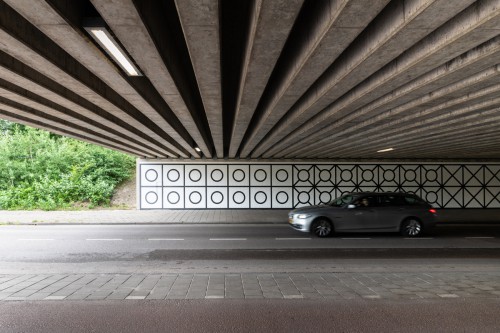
[260, 186]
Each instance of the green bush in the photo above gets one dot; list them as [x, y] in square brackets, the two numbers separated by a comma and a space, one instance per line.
[40, 170]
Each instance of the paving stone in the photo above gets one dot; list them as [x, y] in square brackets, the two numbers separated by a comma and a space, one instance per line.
[54, 298]
[135, 297]
[37, 296]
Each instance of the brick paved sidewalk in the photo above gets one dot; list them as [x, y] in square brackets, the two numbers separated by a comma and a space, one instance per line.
[145, 216]
[258, 285]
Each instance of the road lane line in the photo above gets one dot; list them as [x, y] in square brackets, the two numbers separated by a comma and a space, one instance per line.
[295, 238]
[165, 239]
[228, 239]
[36, 239]
[104, 239]
[479, 237]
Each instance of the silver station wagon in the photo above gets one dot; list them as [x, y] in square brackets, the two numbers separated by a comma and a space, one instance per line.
[366, 212]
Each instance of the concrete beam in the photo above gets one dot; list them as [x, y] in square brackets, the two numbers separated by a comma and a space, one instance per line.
[270, 27]
[126, 23]
[348, 20]
[23, 90]
[200, 24]
[458, 35]
[46, 19]
[456, 121]
[58, 66]
[439, 100]
[396, 30]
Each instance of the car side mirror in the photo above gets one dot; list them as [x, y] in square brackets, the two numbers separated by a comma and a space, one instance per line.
[351, 206]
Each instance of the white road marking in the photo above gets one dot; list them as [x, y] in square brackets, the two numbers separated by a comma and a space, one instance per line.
[165, 239]
[36, 239]
[295, 238]
[104, 239]
[228, 239]
[479, 237]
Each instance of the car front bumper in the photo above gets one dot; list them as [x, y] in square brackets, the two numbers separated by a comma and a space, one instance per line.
[300, 224]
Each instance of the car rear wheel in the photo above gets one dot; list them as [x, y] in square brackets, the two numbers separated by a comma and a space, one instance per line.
[411, 227]
[322, 228]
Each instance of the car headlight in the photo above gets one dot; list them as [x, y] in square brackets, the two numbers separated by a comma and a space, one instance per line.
[303, 216]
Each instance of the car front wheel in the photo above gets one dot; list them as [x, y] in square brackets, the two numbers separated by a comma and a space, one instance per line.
[322, 228]
[411, 227]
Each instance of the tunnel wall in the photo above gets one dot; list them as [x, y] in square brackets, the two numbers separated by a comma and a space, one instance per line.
[175, 185]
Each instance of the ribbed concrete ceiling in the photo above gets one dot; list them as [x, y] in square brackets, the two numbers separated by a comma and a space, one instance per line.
[308, 79]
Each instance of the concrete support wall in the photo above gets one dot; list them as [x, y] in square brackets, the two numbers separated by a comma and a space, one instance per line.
[180, 185]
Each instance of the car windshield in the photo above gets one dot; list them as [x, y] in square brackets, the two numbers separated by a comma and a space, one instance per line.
[343, 200]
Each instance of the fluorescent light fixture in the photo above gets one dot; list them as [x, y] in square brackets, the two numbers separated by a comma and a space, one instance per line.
[197, 149]
[107, 42]
[384, 150]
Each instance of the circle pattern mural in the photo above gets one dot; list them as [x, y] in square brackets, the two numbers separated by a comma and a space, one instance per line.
[173, 175]
[195, 175]
[389, 175]
[238, 175]
[325, 197]
[239, 197]
[151, 198]
[303, 175]
[367, 175]
[431, 197]
[260, 197]
[410, 175]
[260, 175]
[217, 175]
[304, 197]
[346, 175]
[173, 198]
[195, 197]
[282, 197]
[217, 197]
[151, 175]
[288, 185]
[431, 175]
[325, 175]
[282, 175]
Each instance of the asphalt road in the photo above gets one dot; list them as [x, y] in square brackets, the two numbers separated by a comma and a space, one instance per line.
[252, 316]
[237, 248]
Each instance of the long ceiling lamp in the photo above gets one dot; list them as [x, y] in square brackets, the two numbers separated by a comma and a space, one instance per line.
[104, 38]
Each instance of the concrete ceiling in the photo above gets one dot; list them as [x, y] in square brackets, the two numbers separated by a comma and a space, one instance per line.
[261, 79]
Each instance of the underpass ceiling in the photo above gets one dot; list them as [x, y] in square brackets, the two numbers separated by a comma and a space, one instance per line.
[260, 79]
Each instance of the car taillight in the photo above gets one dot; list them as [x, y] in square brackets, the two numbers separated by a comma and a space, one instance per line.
[432, 210]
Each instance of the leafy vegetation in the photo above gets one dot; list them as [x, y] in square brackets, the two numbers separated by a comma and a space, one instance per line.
[41, 170]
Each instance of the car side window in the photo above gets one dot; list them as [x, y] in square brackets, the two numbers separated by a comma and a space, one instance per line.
[369, 201]
[412, 201]
[391, 200]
